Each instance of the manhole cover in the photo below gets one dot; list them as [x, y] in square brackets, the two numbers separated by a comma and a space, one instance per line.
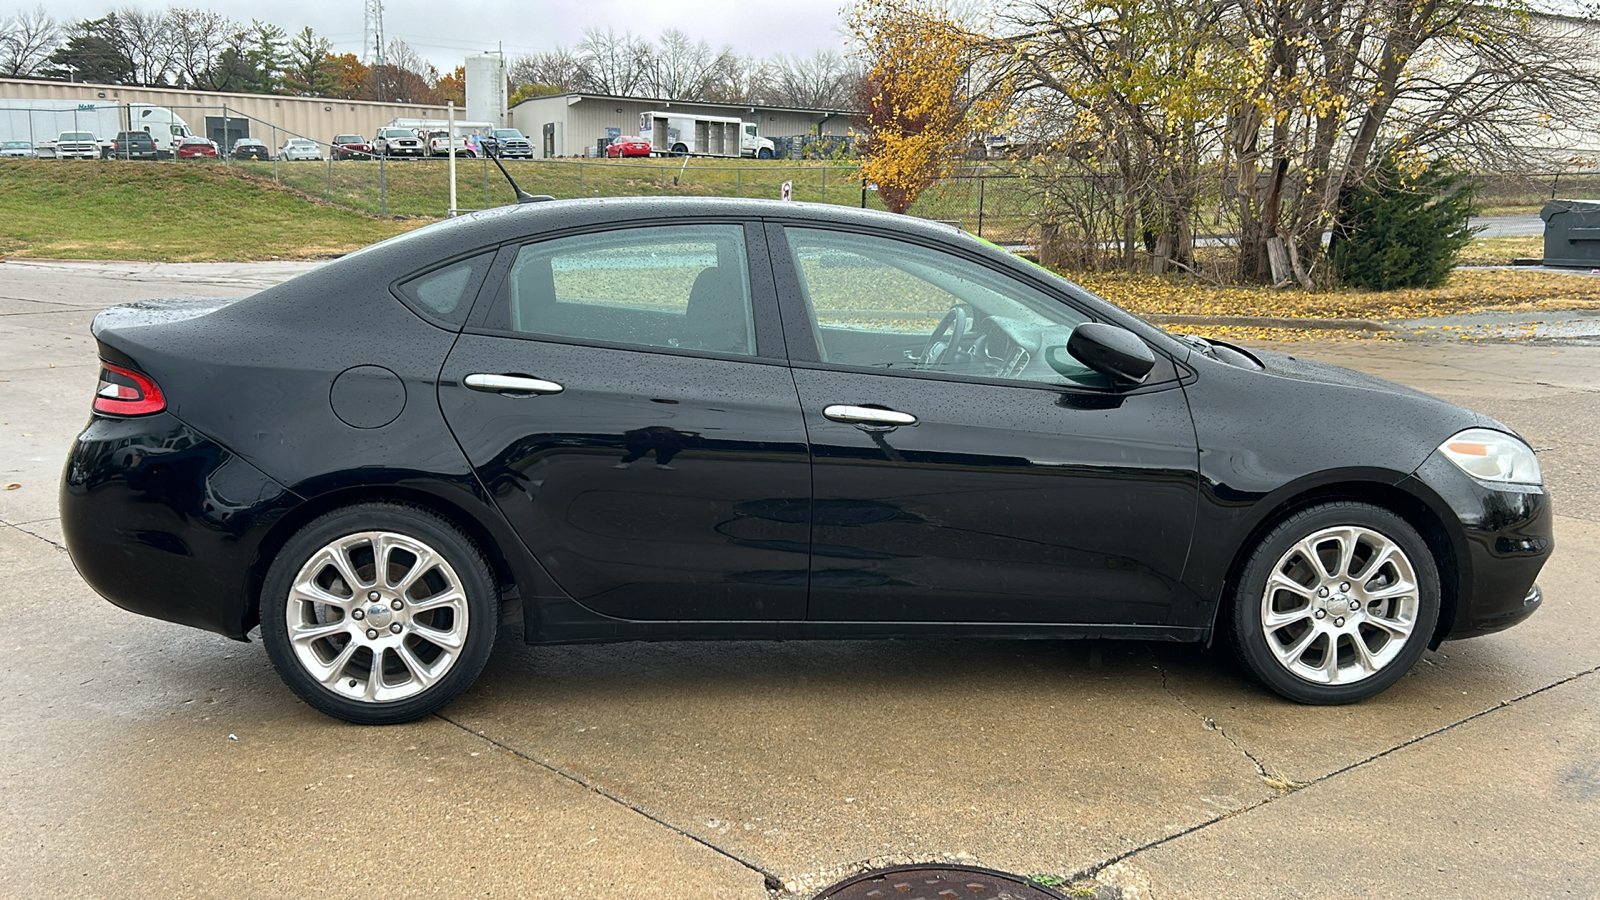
[937, 883]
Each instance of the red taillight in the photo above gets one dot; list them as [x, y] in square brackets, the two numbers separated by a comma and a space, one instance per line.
[124, 392]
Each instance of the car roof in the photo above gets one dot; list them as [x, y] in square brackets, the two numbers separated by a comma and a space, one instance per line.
[477, 230]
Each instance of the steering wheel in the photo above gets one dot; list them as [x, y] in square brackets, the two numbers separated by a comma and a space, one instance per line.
[955, 324]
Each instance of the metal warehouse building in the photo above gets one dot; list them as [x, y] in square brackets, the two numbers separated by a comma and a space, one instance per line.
[266, 116]
[575, 124]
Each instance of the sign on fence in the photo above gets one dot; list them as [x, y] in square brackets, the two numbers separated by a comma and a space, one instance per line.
[788, 190]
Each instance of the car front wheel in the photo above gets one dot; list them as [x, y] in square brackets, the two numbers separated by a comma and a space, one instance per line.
[379, 613]
[1336, 603]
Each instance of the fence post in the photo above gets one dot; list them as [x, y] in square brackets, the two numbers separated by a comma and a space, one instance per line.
[580, 178]
[224, 132]
[383, 187]
[980, 205]
[486, 181]
[738, 183]
[824, 183]
[328, 194]
[663, 171]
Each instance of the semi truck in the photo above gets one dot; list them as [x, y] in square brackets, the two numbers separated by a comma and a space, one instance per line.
[687, 134]
[42, 122]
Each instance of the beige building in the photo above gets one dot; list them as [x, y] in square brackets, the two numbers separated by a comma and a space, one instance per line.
[574, 124]
[271, 118]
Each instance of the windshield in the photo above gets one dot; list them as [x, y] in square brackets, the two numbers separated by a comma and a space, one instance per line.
[397, 133]
[347, 139]
[508, 134]
[77, 136]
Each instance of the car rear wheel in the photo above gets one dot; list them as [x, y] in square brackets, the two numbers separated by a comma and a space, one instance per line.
[379, 613]
[1336, 603]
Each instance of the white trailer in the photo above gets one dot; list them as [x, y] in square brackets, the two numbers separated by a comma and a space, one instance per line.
[687, 134]
[41, 122]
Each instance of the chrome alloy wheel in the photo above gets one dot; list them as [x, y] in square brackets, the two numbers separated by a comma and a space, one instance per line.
[377, 616]
[1340, 605]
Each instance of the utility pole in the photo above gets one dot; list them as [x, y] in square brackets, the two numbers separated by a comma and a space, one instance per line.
[372, 43]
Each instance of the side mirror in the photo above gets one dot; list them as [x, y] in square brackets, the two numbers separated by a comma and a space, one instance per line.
[1116, 353]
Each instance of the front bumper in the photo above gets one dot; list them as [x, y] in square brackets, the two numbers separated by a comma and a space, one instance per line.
[1502, 535]
[164, 522]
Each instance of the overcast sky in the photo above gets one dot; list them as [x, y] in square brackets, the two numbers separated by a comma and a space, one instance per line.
[445, 31]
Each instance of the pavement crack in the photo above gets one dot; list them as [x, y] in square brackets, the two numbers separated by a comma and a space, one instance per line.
[56, 544]
[1094, 869]
[772, 881]
[1277, 782]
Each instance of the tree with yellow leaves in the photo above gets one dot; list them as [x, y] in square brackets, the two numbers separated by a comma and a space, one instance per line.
[918, 112]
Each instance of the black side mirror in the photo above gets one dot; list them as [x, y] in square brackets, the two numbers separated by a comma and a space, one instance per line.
[1116, 353]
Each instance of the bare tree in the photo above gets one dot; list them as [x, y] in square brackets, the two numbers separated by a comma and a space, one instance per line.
[823, 80]
[1273, 112]
[146, 39]
[737, 79]
[680, 69]
[559, 68]
[26, 41]
[405, 76]
[198, 39]
[613, 63]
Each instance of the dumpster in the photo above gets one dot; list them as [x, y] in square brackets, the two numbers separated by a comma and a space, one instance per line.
[1572, 233]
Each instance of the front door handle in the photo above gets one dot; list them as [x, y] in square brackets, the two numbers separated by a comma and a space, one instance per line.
[868, 415]
[512, 384]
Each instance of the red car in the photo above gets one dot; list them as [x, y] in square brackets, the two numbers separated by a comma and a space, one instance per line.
[196, 148]
[628, 146]
[351, 146]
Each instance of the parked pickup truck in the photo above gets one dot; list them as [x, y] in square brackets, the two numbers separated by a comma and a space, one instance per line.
[398, 142]
[132, 145]
[77, 145]
[509, 143]
[441, 144]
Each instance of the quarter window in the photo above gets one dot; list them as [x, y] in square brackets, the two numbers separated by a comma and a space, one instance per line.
[888, 304]
[447, 293]
[681, 287]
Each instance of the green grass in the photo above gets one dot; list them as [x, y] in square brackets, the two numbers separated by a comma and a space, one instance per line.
[421, 187]
[168, 212]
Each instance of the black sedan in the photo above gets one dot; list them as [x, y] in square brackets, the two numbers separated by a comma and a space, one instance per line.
[609, 420]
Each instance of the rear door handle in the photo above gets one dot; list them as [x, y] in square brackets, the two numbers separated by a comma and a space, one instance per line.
[868, 415]
[512, 384]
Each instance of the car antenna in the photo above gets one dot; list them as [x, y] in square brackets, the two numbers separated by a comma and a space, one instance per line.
[522, 195]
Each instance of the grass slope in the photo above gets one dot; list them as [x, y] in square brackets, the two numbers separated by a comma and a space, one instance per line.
[167, 212]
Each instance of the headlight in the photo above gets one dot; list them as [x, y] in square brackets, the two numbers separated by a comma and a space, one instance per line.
[1493, 456]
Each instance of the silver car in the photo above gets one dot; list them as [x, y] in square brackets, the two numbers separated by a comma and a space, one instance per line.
[17, 150]
[300, 149]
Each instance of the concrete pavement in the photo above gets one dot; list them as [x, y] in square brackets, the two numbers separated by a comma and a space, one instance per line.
[143, 758]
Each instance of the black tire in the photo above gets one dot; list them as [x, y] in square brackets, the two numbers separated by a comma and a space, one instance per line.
[680, 150]
[403, 666]
[764, 153]
[1341, 631]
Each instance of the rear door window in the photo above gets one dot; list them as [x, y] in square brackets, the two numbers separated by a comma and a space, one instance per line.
[680, 287]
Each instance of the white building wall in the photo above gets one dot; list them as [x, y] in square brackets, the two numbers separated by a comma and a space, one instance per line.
[585, 118]
[269, 117]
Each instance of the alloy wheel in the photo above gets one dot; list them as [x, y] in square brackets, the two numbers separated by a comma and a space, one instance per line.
[377, 616]
[1340, 605]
